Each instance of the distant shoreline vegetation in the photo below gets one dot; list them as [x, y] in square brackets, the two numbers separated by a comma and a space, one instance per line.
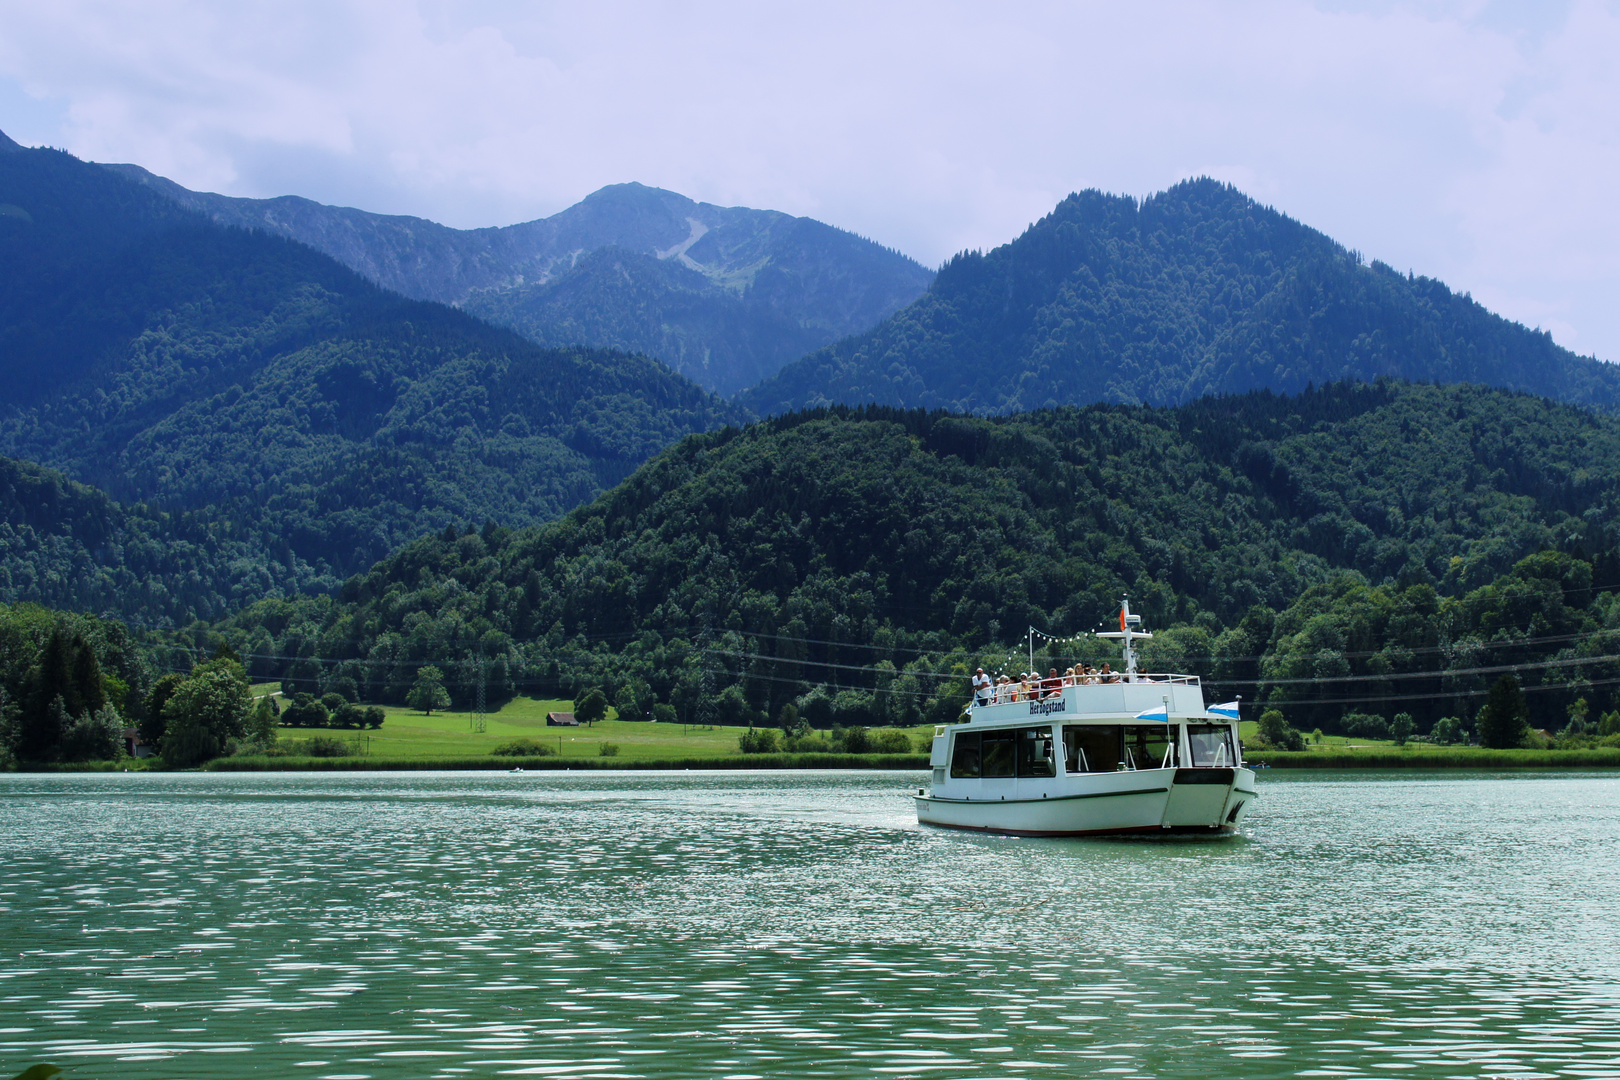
[1471, 758]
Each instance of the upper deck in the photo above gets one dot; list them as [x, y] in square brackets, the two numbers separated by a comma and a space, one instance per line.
[1100, 701]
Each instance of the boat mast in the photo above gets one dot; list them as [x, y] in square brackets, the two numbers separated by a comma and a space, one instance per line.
[1126, 634]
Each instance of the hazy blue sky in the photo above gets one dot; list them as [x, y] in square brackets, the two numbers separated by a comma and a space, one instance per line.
[1477, 142]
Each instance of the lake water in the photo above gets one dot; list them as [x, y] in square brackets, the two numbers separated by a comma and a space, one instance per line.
[798, 925]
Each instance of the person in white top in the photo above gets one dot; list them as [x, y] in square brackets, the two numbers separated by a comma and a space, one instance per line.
[981, 688]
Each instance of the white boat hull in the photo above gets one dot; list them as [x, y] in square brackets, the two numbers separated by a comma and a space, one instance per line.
[1203, 800]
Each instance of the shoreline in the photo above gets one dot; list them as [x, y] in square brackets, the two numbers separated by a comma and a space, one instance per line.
[1290, 760]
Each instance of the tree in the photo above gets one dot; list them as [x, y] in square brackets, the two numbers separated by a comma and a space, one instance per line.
[374, 716]
[429, 692]
[261, 726]
[1503, 720]
[1276, 732]
[207, 710]
[1400, 729]
[1448, 730]
[153, 724]
[1577, 717]
[63, 686]
[590, 706]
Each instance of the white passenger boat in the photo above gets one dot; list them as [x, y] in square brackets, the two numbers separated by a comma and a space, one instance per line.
[1139, 755]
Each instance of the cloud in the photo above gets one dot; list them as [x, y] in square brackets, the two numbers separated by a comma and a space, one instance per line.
[1475, 142]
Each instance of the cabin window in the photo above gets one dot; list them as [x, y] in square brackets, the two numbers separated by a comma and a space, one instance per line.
[1090, 748]
[965, 755]
[1149, 746]
[1035, 752]
[1210, 745]
[999, 752]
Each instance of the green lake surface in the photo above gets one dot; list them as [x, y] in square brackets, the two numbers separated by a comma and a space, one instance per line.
[798, 925]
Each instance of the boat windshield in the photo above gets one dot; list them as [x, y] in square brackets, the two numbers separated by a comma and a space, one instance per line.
[1003, 753]
[1150, 746]
[1210, 745]
[1090, 748]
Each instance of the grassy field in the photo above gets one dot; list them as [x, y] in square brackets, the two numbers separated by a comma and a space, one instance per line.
[1343, 752]
[409, 736]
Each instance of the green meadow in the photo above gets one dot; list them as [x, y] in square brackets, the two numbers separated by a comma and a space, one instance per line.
[409, 737]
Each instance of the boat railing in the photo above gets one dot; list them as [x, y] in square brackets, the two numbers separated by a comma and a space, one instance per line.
[1011, 692]
[1167, 677]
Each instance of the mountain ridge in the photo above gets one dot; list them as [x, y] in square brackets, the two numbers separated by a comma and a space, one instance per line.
[1197, 290]
[763, 267]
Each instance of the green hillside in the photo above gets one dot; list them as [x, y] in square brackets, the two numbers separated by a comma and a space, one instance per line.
[1198, 290]
[185, 365]
[1352, 530]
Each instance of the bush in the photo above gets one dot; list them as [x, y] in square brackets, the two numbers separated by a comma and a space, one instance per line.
[607, 749]
[346, 715]
[853, 740]
[523, 748]
[757, 741]
[332, 702]
[806, 741]
[889, 741]
[374, 716]
[304, 711]
[1366, 726]
[327, 746]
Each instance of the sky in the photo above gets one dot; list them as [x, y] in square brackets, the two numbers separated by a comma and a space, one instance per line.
[1476, 142]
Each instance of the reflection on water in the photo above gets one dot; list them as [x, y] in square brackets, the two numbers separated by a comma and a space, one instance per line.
[801, 925]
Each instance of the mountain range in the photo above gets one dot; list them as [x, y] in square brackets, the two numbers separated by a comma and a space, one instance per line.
[172, 361]
[1197, 290]
[724, 295]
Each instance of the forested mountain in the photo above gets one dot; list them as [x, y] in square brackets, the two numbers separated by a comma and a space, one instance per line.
[763, 289]
[176, 362]
[68, 546]
[1355, 529]
[1198, 290]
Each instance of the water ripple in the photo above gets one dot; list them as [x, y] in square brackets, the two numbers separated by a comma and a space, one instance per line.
[717, 925]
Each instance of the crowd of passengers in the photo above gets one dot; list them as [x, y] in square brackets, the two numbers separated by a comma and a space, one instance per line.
[1032, 687]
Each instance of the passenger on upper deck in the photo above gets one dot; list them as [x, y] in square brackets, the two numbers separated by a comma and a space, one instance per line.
[1107, 675]
[1051, 686]
[1003, 690]
[981, 688]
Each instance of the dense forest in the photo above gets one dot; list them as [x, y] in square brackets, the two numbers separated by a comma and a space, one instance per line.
[854, 561]
[68, 685]
[176, 363]
[66, 545]
[724, 295]
[1197, 290]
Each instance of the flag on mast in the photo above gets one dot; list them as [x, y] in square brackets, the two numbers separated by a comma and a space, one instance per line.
[1160, 713]
[1228, 710]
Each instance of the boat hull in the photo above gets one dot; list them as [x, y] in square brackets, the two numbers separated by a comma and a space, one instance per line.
[1155, 801]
